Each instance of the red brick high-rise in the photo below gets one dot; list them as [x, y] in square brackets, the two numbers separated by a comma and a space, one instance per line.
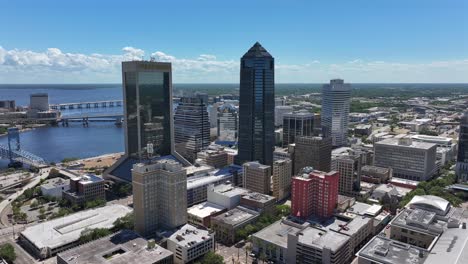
[315, 194]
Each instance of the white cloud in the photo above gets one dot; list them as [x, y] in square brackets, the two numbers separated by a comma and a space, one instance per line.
[55, 65]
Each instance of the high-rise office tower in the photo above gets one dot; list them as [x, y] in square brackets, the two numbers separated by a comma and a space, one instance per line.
[159, 196]
[297, 124]
[147, 107]
[256, 106]
[191, 127]
[257, 177]
[282, 170]
[336, 98]
[147, 96]
[314, 193]
[462, 157]
[312, 152]
[227, 123]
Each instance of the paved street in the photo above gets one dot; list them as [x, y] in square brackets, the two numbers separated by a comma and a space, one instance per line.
[43, 173]
[233, 254]
[22, 257]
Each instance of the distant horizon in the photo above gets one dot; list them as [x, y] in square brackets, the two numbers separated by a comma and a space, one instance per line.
[214, 83]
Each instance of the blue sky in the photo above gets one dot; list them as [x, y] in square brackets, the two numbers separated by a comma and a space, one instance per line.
[312, 41]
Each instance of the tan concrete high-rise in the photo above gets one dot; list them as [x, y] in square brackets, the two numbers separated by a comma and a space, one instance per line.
[257, 177]
[312, 152]
[159, 196]
[282, 170]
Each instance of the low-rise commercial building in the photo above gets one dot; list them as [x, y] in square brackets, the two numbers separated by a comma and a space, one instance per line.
[85, 188]
[215, 157]
[428, 231]
[200, 214]
[197, 186]
[189, 243]
[363, 130]
[258, 201]
[120, 248]
[54, 187]
[374, 174]
[227, 224]
[51, 237]
[225, 195]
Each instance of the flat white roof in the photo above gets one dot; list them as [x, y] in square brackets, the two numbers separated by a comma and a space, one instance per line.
[204, 209]
[61, 231]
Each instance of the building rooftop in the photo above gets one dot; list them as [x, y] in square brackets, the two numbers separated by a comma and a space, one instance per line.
[451, 247]
[421, 220]
[167, 164]
[383, 250]
[256, 165]
[120, 248]
[257, 51]
[229, 190]
[55, 182]
[277, 233]
[406, 142]
[88, 178]
[189, 236]
[258, 197]
[237, 216]
[374, 169]
[64, 230]
[433, 139]
[204, 209]
[430, 202]
[202, 180]
[319, 238]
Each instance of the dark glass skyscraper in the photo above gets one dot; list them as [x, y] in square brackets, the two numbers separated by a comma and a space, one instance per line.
[462, 157]
[191, 127]
[256, 106]
[147, 107]
[147, 95]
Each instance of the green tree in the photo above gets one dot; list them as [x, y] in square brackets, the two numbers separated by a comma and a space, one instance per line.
[7, 252]
[125, 222]
[42, 212]
[54, 173]
[88, 235]
[212, 258]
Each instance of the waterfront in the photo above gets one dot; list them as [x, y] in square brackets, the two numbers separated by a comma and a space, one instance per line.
[56, 143]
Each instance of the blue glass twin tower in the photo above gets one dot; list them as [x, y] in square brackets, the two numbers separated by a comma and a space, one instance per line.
[256, 106]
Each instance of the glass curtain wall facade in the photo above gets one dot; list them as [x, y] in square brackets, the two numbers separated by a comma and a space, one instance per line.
[336, 98]
[148, 104]
[256, 107]
[462, 157]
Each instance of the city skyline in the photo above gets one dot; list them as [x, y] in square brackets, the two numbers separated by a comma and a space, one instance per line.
[393, 42]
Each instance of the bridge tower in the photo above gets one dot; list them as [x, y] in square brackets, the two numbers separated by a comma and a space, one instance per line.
[13, 142]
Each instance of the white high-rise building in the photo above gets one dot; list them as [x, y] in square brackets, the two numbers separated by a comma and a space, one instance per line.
[336, 98]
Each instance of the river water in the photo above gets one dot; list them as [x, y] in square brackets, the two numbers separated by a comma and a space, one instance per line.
[56, 143]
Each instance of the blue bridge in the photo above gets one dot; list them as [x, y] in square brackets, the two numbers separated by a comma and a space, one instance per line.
[15, 154]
